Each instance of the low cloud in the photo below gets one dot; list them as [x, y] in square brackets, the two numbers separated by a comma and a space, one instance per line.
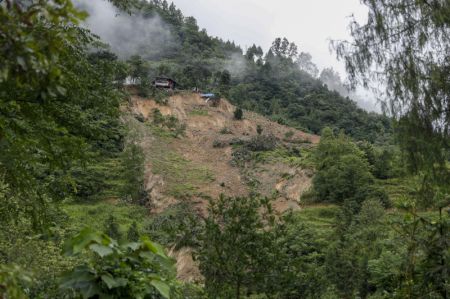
[127, 34]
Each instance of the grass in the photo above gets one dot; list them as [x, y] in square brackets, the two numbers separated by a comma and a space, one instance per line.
[398, 188]
[281, 154]
[181, 175]
[182, 178]
[319, 217]
[198, 112]
[95, 214]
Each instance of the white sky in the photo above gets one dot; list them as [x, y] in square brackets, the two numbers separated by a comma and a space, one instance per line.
[308, 23]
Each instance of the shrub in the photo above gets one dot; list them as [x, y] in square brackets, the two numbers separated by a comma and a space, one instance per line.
[133, 270]
[133, 233]
[111, 228]
[262, 143]
[140, 117]
[144, 88]
[289, 134]
[177, 227]
[259, 129]
[158, 118]
[238, 113]
[240, 156]
[380, 195]
[225, 130]
[280, 120]
[171, 122]
[236, 141]
[220, 143]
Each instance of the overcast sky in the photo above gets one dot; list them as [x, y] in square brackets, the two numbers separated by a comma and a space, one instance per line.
[309, 23]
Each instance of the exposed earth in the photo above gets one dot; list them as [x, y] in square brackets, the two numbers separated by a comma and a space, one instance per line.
[191, 167]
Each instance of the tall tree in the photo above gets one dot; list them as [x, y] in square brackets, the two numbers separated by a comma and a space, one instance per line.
[56, 104]
[305, 63]
[404, 46]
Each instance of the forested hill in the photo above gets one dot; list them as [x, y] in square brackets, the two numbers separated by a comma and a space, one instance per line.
[282, 83]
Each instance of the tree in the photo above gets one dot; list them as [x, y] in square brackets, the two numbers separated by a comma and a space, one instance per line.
[356, 241]
[51, 117]
[138, 69]
[232, 249]
[305, 63]
[254, 52]
[403, 47]
[333, 81]
[348, 177]
[342, 171]
[133, 169]
[284, 49]
[238, 113]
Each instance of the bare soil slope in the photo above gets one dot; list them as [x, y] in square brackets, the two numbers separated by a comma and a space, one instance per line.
[191, 168]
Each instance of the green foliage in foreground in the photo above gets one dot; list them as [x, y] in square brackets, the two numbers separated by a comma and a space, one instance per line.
[245, 249]
[12, 281]
[131, 270]
[59, 106]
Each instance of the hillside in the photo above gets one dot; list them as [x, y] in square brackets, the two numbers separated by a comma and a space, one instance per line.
[277, 83]
[111, 190]
[199, 165]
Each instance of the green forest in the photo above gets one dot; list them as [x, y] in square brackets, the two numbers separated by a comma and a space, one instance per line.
[76, 209]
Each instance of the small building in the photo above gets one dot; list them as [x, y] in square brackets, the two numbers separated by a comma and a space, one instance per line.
[164, 82]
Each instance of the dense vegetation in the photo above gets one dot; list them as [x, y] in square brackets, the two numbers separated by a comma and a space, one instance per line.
[66, 146]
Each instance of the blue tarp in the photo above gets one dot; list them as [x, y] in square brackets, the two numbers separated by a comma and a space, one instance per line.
[207, 95]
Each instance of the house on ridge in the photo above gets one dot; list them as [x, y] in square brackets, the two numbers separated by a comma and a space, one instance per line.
[164, 82]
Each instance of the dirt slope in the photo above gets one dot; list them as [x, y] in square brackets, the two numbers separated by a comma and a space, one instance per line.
[190, 168]
[206, 169]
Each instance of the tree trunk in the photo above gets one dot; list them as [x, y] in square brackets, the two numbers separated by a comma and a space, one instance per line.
[238, 289]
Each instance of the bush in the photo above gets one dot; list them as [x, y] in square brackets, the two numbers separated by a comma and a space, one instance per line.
[238, 113]
[225, 130]
[170, 122]
[259, 129]
[133, 270]
[144, 88]
[289, 134]
[220, 143]
[158, 118]
[133, 233]
[240, 156]
[177, 227]
[380, 195]
[262, 143]
[111, 228]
